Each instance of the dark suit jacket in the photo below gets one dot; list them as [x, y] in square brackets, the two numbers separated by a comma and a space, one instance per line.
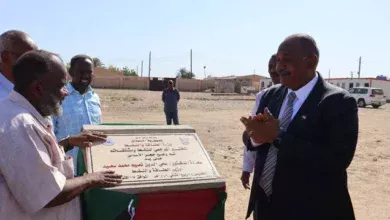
[310, 179]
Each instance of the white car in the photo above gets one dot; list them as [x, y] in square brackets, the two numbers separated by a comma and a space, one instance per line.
[368, 96]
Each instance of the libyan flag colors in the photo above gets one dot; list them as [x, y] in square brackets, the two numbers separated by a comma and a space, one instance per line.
[101, 204]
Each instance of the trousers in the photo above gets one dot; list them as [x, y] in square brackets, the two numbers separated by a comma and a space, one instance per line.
[172, 116]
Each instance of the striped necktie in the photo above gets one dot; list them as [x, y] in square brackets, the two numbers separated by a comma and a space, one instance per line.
[267, 175]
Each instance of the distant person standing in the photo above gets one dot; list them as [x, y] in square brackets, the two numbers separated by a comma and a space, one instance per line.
[171, 97]
[81, 107]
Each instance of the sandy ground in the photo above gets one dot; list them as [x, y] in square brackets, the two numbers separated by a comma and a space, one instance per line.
[216, 120]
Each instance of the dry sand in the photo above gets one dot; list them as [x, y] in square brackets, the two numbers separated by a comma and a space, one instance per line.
[216, 120]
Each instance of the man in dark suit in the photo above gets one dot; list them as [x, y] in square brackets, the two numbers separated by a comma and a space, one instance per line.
[305, 135]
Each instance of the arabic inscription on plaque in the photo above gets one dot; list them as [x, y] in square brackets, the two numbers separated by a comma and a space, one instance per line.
[153, 158]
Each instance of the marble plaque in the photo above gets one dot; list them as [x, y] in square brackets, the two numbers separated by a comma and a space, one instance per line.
[153, 158]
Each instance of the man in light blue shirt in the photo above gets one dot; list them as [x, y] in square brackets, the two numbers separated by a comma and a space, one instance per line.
[13, 44]
[81, 106]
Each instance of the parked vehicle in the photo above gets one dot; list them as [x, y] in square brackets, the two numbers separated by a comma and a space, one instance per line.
[368, 96]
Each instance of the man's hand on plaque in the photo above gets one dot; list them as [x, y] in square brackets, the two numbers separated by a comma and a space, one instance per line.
[86, 139]
[104, 179]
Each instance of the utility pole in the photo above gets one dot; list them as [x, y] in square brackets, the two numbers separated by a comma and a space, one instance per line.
[191, 60]
[351, 74]
[205, 77]
[150, 62]
[329, 75]
[360, 63]
[142, 68]
[137, 69]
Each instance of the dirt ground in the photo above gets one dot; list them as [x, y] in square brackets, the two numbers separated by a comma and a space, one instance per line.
[216, 120]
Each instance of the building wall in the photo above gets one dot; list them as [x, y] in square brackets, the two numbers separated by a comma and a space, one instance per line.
[347, 83]
[190, 85]
[121, 82]
[105, 78]
[142, 83]
[106, 82]
[224, 86]
[363, 82]
[264, 83]
[135, 82]
[209, 83]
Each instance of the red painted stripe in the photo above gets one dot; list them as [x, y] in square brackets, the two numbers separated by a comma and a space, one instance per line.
[185, 205]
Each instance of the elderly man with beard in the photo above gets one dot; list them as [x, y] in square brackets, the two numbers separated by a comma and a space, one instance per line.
[36, 176]
[80, 107]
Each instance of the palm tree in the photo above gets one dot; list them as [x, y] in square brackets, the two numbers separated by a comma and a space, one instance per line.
[97, 62]
[184, 73]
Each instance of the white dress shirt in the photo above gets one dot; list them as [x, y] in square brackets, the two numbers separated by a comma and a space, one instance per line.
[249, 157]
[6, 87]
[301, 96]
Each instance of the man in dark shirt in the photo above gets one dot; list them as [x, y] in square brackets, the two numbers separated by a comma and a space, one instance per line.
[171, 97]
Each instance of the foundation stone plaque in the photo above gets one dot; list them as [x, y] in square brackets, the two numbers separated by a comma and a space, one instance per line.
[153, 158]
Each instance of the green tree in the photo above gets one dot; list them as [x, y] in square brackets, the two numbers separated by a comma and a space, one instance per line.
[129, 72]
[113, 69]
[184, 73]
[97, 62]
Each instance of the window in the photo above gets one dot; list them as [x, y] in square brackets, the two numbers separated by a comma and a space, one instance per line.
[350, 85]
[262, 85]
[358, 91]
[366, 85]
[363, 91]
[377, 92]
[343, 85]
[338, 84]
[357, 84]
[270, 84]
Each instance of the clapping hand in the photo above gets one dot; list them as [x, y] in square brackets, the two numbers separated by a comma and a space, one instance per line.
[262, 128]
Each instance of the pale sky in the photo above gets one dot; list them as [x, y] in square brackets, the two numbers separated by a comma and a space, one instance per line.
[229, 37]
